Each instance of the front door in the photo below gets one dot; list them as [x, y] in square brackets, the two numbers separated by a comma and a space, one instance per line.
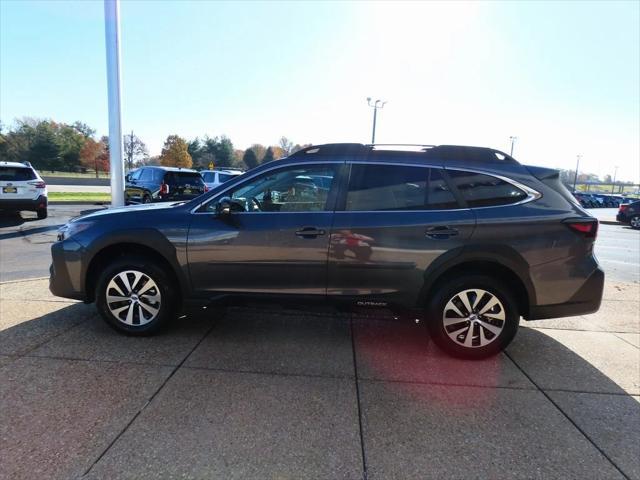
[274, 238]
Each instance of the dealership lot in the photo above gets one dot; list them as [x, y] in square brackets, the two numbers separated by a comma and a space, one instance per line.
[299, 393]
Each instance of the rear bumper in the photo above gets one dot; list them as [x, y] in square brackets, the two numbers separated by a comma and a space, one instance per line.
[622, 218]
[23, 204]
[586, 300]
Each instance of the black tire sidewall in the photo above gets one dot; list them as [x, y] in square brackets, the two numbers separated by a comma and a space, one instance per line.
[162, 279]
[453, 286]
[42, 213]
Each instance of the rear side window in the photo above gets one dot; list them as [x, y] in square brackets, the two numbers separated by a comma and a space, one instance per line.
[397, 187]
[147, 175]
[209, 177]
[480, 190]
[16, 174]
[223, 177]
[183, 178]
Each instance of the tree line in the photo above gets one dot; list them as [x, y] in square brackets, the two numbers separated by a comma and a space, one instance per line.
[56, 146]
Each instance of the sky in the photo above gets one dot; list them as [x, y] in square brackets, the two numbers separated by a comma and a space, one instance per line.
[563, 77]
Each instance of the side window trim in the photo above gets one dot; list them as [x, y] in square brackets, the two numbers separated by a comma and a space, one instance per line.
[530, 192]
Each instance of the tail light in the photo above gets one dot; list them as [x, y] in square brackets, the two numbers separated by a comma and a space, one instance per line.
[206, 189]
[38, 184]
[164, 189]
[623, 207]
[586, 227]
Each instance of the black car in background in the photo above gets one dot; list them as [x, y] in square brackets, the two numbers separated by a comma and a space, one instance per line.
[163, 184]
[465, 237]
[630, 213]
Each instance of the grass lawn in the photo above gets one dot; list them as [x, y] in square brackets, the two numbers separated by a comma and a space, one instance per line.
[79, 197]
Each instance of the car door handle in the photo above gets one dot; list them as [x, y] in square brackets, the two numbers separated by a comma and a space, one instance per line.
[309, 232]
[441, 232]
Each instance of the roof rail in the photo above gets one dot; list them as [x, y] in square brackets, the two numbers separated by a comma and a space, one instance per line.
[444, 152]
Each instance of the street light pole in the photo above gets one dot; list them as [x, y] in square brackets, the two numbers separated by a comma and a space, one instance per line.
[513, 141]
[112, 41]
[376, 105]
[615, 172]
[575, 178]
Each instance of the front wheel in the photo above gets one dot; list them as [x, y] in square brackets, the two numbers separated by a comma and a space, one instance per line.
[473, 316]
[635, 222]
[134, 296]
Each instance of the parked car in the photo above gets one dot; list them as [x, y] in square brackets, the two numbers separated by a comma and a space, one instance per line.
[162, 184]
[22, 188]
[586, 201]
[213, 178]
[630, 213]
[465, 237]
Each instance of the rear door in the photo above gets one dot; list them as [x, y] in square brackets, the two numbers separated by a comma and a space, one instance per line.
[394, 222]
[15, 183]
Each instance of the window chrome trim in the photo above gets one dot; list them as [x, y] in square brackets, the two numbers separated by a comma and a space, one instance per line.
[532, 194]
[275, 167]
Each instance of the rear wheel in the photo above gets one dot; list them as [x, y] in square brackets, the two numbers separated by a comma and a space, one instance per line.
[42, 213]
[473, 316]
[134, 296]
[635, 222]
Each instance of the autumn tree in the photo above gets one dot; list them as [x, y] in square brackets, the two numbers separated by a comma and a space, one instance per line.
[89, 154]
[250, 158]
[175, 153]
[278, 153]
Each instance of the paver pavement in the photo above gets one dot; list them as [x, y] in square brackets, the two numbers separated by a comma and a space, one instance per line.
[259, 392]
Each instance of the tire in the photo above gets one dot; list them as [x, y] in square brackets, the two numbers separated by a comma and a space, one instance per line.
[42, 213]
[156, 304]
[635, 222]
[146, 199]
[496, 334]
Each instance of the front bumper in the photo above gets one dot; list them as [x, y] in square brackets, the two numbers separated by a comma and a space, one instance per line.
[586, 300]
[66, 269]
[18, 205]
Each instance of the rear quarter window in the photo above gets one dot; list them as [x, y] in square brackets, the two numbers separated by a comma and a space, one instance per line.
[16, 174]
[480, 190]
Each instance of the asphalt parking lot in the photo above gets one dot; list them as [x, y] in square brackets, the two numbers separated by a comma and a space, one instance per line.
[275, 393]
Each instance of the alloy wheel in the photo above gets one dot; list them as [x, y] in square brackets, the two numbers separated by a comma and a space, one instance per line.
[635, 222]
[473, 318]
[133, 298]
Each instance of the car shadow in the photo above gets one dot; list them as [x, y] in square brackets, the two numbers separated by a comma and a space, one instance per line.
[13, 219]
[412, 394]
[29, 231]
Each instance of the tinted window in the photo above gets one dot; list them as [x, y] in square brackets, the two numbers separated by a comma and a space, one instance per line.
[209, 177]
[480, 190]
[395, 187]
[183, 178]
[18, 174]
[223, 177]
[147, 175]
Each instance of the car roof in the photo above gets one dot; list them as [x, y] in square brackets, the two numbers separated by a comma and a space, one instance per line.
[171, 169]
[14, 165]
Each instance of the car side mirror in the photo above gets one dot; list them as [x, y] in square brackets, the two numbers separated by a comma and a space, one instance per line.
[223, 207]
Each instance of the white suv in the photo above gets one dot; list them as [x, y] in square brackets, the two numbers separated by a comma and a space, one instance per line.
[213, 178]
[21, 188]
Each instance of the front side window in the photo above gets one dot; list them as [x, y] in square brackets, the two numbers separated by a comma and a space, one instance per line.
[480, 190]
[289, 189]
[147, 175]
[397, 187]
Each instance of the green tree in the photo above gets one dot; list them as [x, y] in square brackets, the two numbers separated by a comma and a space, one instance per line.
[44, 150]
[175, 153]
[268, 156]
[70, 142]
[250, 158]
[194, 147]
[221, 148]
[259, 150]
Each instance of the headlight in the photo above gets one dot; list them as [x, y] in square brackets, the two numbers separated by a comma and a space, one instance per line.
[70, 229]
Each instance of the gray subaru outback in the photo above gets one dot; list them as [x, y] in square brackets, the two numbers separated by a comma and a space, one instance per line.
[465, 237]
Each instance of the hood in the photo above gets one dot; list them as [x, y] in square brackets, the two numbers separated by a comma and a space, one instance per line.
[128, 209]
